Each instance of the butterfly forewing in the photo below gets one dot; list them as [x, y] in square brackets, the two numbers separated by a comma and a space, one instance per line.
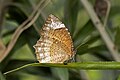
[55, 44]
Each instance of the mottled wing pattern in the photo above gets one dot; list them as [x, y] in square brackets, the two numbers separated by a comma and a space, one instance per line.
[55, 44]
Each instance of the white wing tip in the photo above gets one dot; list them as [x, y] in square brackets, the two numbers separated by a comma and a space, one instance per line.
[55, 22]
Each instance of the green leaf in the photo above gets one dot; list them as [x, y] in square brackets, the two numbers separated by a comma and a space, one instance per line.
[61, 73]
[71, 12]
[117, 37]
[83, 33]
[1, 76]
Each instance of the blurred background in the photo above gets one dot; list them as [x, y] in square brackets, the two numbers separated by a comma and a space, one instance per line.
[18, 34]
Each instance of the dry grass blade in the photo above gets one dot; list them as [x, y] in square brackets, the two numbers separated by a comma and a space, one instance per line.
[100, 27]
[26, 24]
[108, 11]
[2, 46]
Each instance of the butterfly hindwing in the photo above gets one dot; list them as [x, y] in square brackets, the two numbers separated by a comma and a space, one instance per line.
[55, 44]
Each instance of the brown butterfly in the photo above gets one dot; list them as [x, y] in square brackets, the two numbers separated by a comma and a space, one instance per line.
[55, 44]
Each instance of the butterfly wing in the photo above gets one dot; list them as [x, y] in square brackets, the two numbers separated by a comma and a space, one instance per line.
[55, 44]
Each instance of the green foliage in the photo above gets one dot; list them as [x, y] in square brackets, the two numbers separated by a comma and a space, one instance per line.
[88, 43]
[2, 77]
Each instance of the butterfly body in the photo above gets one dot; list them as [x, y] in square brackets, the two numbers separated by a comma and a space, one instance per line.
[55, 44]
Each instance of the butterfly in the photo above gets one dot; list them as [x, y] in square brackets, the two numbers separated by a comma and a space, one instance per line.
[55, 44]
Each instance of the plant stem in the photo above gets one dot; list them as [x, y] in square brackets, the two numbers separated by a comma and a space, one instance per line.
[78, 65]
